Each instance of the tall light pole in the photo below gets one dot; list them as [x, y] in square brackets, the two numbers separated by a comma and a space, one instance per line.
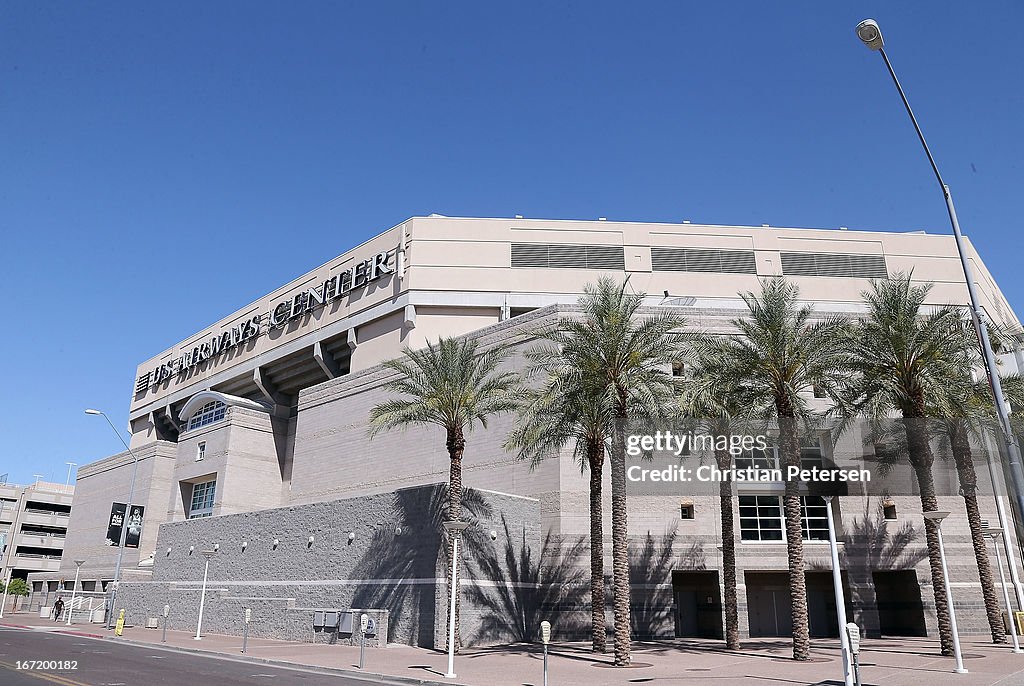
[74, 588]
[454, 529]
[124, 522]
[937, 517]
[71, 465]
[871, 35]
[993, 533]
[837, 583]
[202, 598]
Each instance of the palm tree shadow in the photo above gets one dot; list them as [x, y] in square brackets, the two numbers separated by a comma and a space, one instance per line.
[417, 552]
[650, 573]
[529, 586]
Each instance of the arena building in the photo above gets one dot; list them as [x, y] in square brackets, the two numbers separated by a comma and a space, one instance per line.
[249, 438]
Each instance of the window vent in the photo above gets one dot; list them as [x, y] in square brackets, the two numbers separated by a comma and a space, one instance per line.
[701, 260]
[834, 264]
[557, 256]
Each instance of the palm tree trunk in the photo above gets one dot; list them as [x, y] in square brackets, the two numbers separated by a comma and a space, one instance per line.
[732, 622]
[789, 445]
[969, 486]
[456, 444]
[595, 457]
[620, 547]
[920, 453]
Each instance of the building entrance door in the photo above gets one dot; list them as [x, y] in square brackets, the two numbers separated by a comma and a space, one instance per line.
[898, 598]
[769, 610]
[697, 604]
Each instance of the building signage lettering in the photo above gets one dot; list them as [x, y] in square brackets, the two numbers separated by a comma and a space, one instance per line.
[309, 300]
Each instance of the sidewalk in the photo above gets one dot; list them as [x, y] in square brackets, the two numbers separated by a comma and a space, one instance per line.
[885, 662]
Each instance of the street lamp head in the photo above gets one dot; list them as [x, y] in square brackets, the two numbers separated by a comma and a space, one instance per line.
[92, 411]
[79, 562]
[870, 34]
[936, 515]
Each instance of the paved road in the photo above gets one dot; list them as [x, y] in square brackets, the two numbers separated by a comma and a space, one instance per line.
[106, 663]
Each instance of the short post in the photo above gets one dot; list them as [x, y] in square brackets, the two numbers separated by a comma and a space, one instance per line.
[245, 631]
[167, 613]
[364, 622]
[545, 636]
[853, 635]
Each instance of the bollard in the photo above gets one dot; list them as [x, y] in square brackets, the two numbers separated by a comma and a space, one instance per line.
[364, 622]
[167, 612]
[545, 636]
[245, 632]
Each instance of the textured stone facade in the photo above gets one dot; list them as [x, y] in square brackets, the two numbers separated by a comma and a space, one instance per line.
[382, 554]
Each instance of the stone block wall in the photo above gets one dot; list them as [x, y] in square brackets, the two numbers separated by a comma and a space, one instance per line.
[383, 552]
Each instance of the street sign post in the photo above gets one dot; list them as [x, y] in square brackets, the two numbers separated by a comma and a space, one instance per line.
[245, 632]
[167, 613]
[364, 622]
[853, 632]
[545, 636]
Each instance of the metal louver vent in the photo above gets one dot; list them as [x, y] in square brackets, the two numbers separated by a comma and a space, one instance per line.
[834, 264]
[703, 260]
[559, 256]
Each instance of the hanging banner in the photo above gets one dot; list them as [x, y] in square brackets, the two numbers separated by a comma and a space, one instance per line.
[116, 521]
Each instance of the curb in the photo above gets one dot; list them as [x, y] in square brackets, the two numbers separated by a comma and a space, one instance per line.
[352, 673]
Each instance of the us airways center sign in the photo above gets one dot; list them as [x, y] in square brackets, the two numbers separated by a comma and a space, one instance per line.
[309, 300]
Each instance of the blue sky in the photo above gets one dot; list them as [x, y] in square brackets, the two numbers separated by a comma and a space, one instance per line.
[164, 164]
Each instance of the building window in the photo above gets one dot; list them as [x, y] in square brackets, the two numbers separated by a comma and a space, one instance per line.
[200, 450]
[762, 518]
[686, 511]
[678, 369]
[889, 512]
[201, 504]
[209, 413]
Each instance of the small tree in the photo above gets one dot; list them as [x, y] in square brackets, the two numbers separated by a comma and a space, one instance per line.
[17, 588]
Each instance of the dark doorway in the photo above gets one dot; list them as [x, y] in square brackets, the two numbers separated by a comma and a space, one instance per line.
[698, 605]
[769, 610]
[821, 604]
[898, 598]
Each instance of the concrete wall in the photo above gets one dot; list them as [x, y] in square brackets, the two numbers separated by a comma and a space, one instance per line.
[394, 562]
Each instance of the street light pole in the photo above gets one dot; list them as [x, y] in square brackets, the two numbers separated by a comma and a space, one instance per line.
[71, 465]
[454, 529]
[124, 521]
[993, 533]
[74, 588]
[202, 598]
[937, 517]
[837, 583]
[871, 35]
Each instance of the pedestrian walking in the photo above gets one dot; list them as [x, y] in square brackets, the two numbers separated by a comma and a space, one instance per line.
[58, 609]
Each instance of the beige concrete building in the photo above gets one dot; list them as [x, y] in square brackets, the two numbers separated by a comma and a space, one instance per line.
[33, 527]
[267, 408]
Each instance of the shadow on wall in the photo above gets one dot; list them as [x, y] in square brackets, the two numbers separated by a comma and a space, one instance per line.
[404, 566]
[521, 593]
[650, 578]
[874, 545]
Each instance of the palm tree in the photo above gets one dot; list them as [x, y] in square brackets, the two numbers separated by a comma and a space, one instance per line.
[706, 398]
[780, 358]
[973, 410]
[626, 359]
[908, 361]
[454, 385]
[565, 408]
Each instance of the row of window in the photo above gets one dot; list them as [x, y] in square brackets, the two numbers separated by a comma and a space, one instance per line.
[209, 413]
[201, 503]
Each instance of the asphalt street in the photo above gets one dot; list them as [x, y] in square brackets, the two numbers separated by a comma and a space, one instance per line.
[101, 662]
